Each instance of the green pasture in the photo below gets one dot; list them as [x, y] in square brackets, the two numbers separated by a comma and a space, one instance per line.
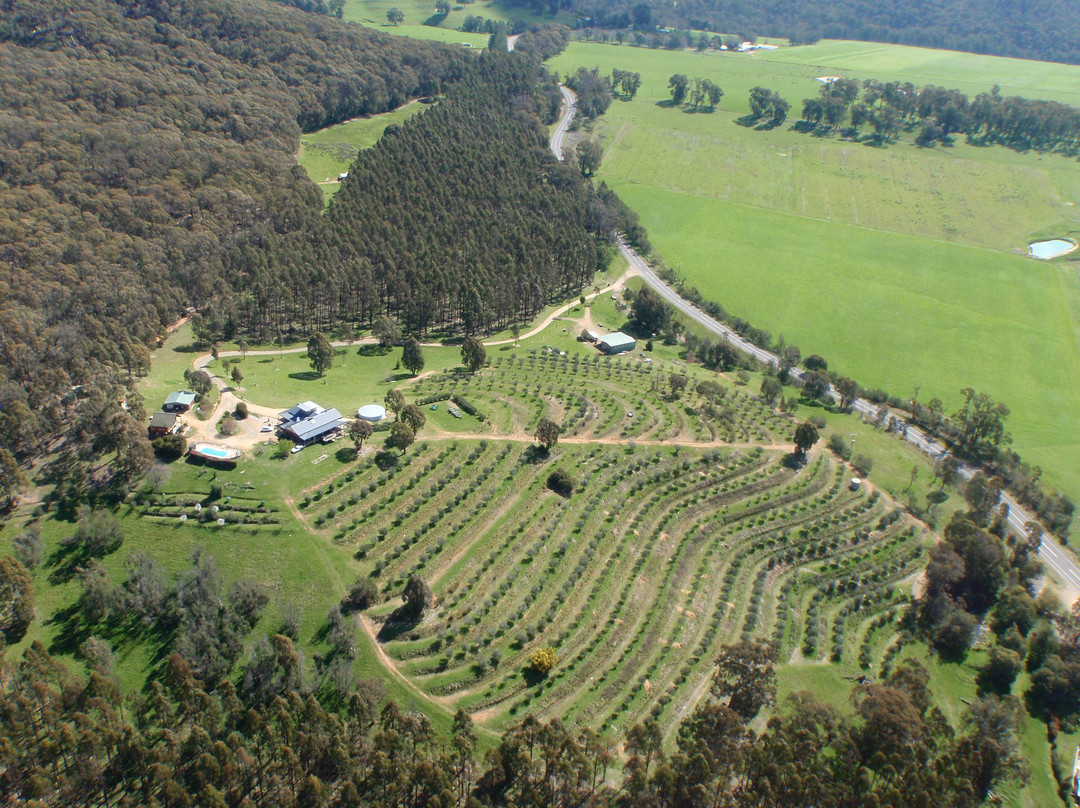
[903, 311]
[329, 152]
[988, 197]
[972, 73]
[791, 231]
[372, 13]
[360, 375]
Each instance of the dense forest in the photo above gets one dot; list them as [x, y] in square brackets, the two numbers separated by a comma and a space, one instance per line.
[147, 165]
[75, 741]
[138, 143]
[1048, 31]
[460, 217]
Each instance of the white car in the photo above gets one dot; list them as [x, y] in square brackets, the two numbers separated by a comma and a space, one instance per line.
[629, 413]
[297, 448]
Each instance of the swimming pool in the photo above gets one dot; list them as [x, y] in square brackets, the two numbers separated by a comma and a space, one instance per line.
[214, 452]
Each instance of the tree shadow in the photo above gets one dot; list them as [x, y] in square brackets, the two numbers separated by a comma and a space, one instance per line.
[386, 460]
[803, 127]
[373, 350]
[66, 558]
[535, 454]
[401, 621]
[533, 677]
[266, 361]
[667, 103]
[346, 454]
[305, 376]
[794, 461]
[435, 20]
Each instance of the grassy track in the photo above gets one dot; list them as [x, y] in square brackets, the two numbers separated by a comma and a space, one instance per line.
[844, 249]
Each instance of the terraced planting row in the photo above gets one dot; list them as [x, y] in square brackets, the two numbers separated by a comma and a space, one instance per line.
[213, 508]
[660, 555]
[603, 397]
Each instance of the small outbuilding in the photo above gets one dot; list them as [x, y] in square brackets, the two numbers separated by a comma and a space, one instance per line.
[589, 336]
[180, 401]
[371, 412]
[164, 423]
[616, 343]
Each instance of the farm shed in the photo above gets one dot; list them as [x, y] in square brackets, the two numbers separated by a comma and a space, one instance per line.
[180, 401]
[616, 343]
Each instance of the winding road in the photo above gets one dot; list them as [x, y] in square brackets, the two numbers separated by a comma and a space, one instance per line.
[1053, 554]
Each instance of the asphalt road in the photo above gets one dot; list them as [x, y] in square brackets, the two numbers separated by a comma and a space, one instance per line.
[1059, 559]
[568, 113]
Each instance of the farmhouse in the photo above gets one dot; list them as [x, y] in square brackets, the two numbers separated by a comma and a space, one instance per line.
[616, 343]
[308, 422]
[164, 423]
[180, 401]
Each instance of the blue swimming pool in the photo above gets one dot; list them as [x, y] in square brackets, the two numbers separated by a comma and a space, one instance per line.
[214, 452]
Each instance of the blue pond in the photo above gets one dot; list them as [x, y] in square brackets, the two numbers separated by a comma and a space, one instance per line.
[1045, 250]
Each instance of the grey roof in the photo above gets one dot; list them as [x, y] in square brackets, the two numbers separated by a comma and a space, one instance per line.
[164, 420]
[181, 397]
[314, 427]
[305, 409]
[618, 341]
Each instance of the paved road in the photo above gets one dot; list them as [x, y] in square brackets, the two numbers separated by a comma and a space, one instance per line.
[568, 113]
[1059, 559]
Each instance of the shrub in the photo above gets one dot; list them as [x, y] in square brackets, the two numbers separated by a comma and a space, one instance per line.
[839, 445]
[561, 482]
[228, 426]
[241, 411]
[543, 660]
[362, 594]
[862, 464]
[818, 421]
[170, 447]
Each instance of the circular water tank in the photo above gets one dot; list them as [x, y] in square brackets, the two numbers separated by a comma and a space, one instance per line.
[220, 522]
[371, 412]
